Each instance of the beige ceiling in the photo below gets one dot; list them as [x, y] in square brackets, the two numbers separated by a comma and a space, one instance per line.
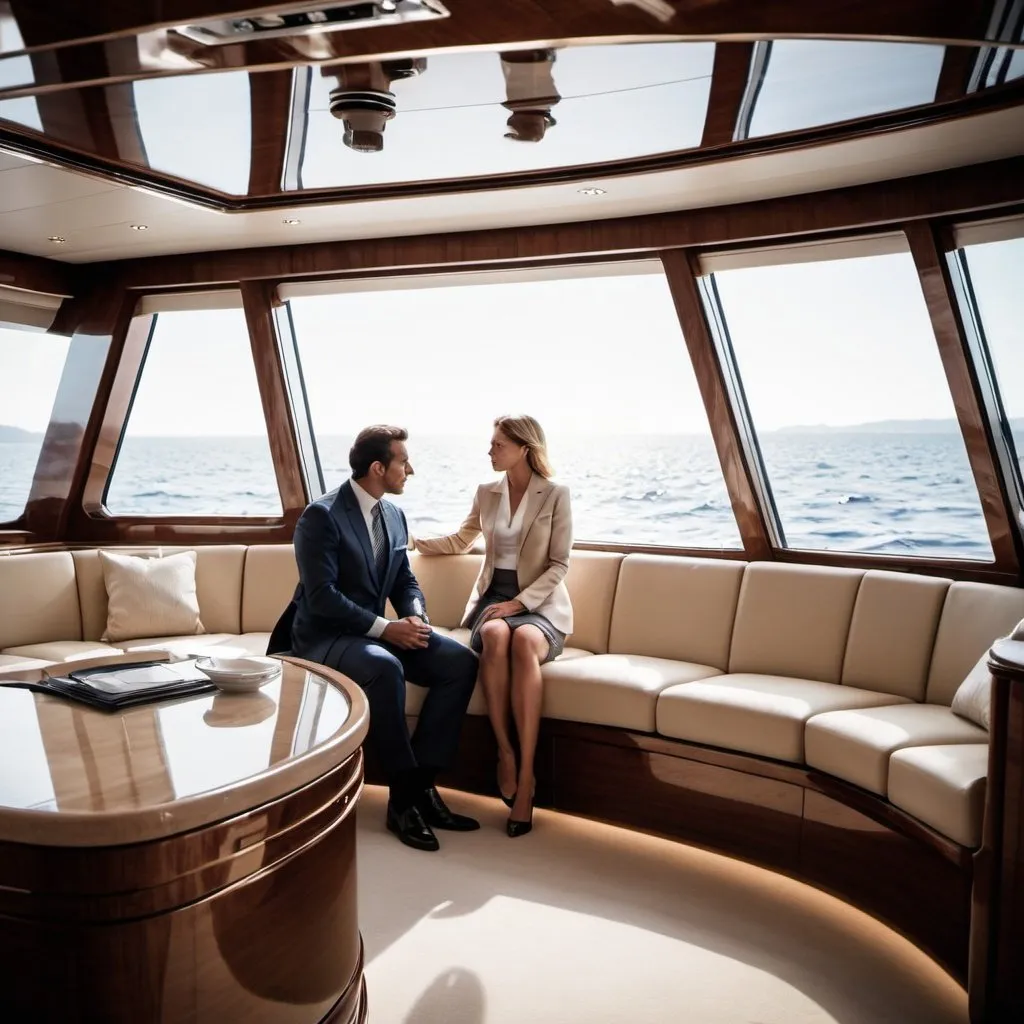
[95, 215]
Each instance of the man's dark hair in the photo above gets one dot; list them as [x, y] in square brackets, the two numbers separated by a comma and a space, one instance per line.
[373, 444]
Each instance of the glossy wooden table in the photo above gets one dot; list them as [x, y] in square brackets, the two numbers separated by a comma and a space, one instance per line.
[190, 861]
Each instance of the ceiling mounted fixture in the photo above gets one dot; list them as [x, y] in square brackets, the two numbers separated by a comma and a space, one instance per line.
[291, 220]
[591, 191]
[57, 239]
[139, 227]
[318, 18]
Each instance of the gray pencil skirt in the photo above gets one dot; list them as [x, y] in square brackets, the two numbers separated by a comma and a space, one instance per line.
[504, 587]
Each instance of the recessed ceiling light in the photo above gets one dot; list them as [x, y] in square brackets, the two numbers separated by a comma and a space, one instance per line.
[591, 191]
[140, 227]
[291, 220]
[57, 239]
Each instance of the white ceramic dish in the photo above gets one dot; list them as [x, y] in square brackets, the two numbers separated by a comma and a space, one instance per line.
[238, 675]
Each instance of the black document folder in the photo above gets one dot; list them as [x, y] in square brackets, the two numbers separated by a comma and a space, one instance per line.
[114, 687]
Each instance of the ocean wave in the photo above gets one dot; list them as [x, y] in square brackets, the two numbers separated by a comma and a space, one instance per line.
[856, 499]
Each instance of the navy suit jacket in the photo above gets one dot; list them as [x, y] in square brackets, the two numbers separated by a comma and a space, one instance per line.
[339, 595]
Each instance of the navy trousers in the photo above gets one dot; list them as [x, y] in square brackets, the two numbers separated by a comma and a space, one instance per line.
[444, 666]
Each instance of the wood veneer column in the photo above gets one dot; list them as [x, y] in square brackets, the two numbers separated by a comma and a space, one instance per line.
[98, 323]
[270, 97]
[258, 299]
[963, 385]
[710, 378]
[996, 987]
[728, 83]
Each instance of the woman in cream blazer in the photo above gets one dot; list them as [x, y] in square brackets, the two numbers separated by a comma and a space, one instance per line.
[519, 611]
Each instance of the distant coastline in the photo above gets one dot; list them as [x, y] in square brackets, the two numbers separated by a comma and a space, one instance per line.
[17, 434]
[944, 426]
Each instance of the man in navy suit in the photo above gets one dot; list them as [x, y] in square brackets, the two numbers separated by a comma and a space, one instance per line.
[351, 549]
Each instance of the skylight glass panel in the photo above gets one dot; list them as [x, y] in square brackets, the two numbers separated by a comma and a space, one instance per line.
[614, 103]
[814, 82]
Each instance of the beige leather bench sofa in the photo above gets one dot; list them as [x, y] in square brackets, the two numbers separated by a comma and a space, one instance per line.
[844, 671]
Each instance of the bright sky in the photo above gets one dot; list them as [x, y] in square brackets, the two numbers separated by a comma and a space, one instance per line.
[834, 343]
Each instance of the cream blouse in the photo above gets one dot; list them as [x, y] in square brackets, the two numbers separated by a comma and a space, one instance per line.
[506, 531]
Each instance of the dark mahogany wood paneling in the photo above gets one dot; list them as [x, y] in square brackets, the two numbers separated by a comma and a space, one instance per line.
[960, 375]
[680, 272]
[98, 323]
[50, 22]
[956, 70]
[890, 875]
[257, 299]
[940, 194]
[249, 919]
[37, 274]
[997, 934]
[270, 97]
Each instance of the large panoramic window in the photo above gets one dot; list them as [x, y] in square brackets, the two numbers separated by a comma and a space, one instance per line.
[196, 439]
[35, 361]
[596, 356]
[850, 406]
[994, 271]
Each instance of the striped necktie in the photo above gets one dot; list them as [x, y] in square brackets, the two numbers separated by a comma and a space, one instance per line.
[379, 539]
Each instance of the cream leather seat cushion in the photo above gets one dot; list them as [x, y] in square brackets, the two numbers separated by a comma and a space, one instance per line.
[856, 745]
[63, 650]
[243, 645]
[674, 607]
[756, 714]
[973, 616]
[943, 786]
[177, 646]
[793, 620]
[11, 664]
[268, 582]
[38, 599]
[613, 689]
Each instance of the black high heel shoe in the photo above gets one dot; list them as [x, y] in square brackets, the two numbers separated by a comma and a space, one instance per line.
[508, 801]
[518, 828]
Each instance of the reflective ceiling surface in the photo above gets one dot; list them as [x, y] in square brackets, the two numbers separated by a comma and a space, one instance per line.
[457, 116]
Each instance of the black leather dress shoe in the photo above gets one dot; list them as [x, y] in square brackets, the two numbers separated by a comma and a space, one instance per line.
[411, 829]
[436, 813]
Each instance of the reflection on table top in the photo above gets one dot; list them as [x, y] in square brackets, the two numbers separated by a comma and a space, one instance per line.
[71, 775]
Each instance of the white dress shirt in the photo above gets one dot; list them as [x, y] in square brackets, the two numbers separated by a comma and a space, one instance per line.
[507, 528]
[367, 502]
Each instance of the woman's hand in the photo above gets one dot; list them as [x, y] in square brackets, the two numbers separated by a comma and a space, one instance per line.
[503, 609]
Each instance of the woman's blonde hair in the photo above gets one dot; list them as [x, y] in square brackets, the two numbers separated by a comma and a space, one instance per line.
[525, 430]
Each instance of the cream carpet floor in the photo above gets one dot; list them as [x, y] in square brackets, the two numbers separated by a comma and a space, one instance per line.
[583, 922]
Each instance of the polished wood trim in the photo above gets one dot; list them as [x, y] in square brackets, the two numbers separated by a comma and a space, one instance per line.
[963, 385]
[275, 871]
[681, 273]
[507, 22]
[997, 936]
[270, 97]
[951, 568]
[946, 193]
[956, 70]
[728, 84]
[38, 274]
[98, 322]
[257, 300]
[115, 406]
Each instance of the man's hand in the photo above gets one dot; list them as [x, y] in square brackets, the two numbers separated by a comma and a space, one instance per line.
[409, 633]
[503, 608]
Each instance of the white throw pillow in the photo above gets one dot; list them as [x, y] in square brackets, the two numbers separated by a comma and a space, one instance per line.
[973, 698]
[150, 596]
